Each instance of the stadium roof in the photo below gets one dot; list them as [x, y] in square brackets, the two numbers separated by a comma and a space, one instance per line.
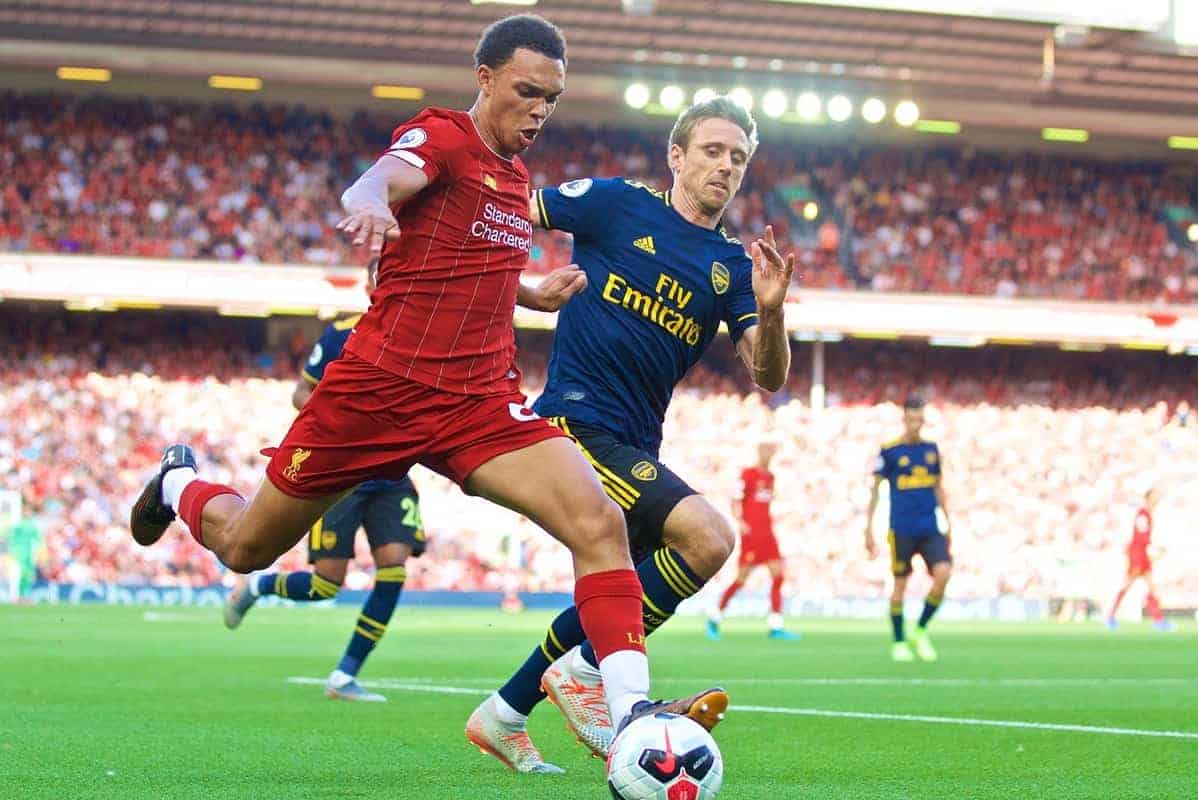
[980, 71]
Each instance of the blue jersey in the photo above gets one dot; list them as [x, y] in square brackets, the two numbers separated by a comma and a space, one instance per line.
[658, 288]
[913, 471]
[327, 350]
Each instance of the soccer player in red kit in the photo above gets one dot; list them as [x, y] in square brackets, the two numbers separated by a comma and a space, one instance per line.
[1139, 565]
[428, 376]
[758, 545]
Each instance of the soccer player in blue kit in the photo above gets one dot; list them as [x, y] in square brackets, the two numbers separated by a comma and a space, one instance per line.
[662, 274]
[912, 467]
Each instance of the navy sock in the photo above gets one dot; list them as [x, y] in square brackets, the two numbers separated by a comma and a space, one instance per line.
[667, 580]
[523, 690]
[930, 606]
[376, 613]
[303, 587]
[896, 620]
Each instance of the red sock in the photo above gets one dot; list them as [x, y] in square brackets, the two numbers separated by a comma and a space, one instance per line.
[609, 607]
[728, 594]
[776, 595]
[191, 504]
[1118, 600]
[1153, 606]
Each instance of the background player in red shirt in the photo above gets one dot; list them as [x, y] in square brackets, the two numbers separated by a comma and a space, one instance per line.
[758, 546]
[1139, 565]
[428, 375]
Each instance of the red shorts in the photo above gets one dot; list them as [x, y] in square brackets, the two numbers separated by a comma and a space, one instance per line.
[1138, 565]
[758, 548]
[363, 422]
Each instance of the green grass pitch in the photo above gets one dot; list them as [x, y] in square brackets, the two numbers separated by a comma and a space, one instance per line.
[107, 702]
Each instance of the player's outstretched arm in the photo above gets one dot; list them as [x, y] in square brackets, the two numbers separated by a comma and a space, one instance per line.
[303, 390]
[554, 290]
[765, 348]
[368, 201]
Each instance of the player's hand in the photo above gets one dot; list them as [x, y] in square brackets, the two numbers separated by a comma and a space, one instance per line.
[370, 226]
[771, 272]
[871, 549]
[556, 289]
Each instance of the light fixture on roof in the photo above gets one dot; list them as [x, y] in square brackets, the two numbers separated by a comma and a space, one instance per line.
[809, 106]
[873, 111]
[774, 103]
[742, 97]
[636, 95]
[840, 108]
[671, 97]
[906, 113]
[705, 94]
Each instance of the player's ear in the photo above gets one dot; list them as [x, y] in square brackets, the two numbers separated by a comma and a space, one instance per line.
[674, 158]
[486, 79]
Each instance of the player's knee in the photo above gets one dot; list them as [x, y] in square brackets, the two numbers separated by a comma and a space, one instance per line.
[712, 541]
[246, 558]
[600, 530]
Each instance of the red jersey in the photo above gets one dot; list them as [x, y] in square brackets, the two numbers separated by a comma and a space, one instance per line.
[757, 492]
[442, 312]
[1141, 535]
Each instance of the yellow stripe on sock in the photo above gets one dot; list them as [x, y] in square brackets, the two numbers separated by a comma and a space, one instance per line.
[281, 584]
[391, 574]
[652, 607]
[373, 623]
[552, 637]
[371, 636]
[323, 587]
[548, 655]
[671, 574]
[668, 561]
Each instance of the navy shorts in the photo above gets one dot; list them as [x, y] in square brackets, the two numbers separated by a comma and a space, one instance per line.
[388, 510]
[646, 489]
[933, 548]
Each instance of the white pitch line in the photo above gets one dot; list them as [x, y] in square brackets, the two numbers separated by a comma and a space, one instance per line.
[989, 723]
[914, 682]
[385, 683]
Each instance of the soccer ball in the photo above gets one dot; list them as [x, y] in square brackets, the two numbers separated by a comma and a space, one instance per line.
[665, 757]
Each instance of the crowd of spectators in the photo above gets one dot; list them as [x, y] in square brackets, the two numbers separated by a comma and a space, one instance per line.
[1046, 455]
[120, 176]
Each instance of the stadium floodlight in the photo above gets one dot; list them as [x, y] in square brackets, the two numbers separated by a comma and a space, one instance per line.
[810, 210]
[742, 97]
[1183, 142]
[705, 94]
[809, 106]
[774, 103]
[1192, 232]
[671, 97]
[873, 111]
[637, 95]
[906, 113]
[1075, 135]
[840, 108]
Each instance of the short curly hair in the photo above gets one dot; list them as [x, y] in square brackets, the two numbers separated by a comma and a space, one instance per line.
[504, 37]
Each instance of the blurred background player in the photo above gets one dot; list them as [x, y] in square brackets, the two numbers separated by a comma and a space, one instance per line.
[663, 274]
[389, 510]
[1139, 565]
[758, 545]
[912, 467]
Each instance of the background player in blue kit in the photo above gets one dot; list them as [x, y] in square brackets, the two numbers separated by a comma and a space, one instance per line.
[662, 274]
[912, 465]
[390, 513]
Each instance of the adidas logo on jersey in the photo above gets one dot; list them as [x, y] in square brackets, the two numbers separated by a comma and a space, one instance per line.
[645, 243]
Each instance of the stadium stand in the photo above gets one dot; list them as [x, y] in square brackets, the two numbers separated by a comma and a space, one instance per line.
[1046, 453]
[122, 176]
